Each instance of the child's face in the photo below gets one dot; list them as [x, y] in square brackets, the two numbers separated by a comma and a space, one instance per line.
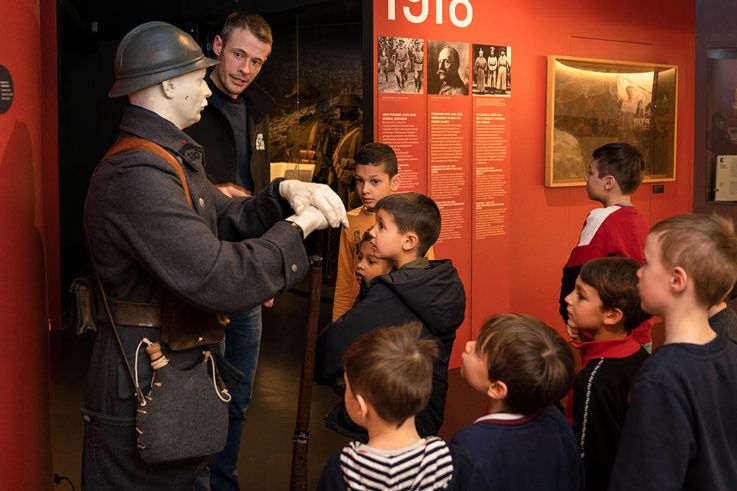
[373, 183]
[369, 266]
[474, 369]
[585, 310]
[386, 237]
[595, 185]
[654, 278]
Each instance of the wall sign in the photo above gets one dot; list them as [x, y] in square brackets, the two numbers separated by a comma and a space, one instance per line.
[6, 89]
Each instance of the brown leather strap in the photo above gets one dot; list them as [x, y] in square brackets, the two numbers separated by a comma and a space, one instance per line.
[130, 314]
[132, 142]
[311, 140]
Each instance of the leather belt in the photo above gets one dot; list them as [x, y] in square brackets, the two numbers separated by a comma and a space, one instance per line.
[130, 314]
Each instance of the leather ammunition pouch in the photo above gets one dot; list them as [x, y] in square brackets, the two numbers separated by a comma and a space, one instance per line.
[82, 308]
[184, 326]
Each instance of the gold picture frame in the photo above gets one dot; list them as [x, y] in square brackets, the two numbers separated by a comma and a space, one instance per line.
[592, 102]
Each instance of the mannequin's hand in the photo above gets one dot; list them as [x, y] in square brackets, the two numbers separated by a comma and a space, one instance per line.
[302, 195]
[310, 220]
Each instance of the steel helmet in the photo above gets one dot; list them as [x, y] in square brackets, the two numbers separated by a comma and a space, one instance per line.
[154, 52]
[349, 100]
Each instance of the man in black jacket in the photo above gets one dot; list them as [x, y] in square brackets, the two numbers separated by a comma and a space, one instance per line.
[234, 131]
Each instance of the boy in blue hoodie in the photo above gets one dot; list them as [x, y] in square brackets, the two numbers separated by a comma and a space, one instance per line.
[428, 292]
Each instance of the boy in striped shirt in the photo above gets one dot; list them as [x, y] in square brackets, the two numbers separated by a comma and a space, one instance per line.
[388, 378]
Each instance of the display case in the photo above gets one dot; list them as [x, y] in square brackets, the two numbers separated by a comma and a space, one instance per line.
[721, 124]
[593, 102]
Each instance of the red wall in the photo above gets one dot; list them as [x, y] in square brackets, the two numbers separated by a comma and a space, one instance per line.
[543, 224]
[27, 183]
[546, 222]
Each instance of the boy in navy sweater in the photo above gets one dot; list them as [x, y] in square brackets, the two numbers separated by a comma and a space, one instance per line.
[604, 306]
[524, 443]
[681, 429]
[416, 290]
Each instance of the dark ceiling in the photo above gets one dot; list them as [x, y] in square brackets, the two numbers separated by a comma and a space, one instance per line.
[107, 20]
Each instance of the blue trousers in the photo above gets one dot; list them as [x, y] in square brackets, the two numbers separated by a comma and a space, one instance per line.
[242, 342]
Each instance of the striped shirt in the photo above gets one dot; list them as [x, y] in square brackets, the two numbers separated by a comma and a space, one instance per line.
[424, 465]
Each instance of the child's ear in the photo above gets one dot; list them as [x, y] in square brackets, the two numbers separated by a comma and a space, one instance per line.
[613, 316]
[609, 182]
[410, 241]
[363, 406]
[395, 182]
[497, 390]
[678, 279]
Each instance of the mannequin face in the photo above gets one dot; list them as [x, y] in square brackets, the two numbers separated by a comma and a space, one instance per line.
[241, 58]
[188, 95]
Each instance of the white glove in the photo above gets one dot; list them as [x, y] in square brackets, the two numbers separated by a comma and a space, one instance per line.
[311, 219]
[302, 195]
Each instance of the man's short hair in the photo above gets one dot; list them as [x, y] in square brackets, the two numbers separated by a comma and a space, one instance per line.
[705, 247]
[247, 21]
[615, 280]
[414, 212]
[533, 360]
[622, 161]
[391, 368]
[377, 154]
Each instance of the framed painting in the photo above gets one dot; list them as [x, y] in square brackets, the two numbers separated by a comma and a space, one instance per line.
[593, 102]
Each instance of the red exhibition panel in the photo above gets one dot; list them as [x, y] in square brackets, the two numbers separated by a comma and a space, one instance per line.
[402, 126]
[452, 135]
[449, 139]
[492, 162]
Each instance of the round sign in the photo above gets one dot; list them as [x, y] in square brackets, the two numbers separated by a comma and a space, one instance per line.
[6, 89]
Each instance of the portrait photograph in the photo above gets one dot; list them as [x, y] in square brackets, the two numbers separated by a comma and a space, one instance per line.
[594, 102]
[491, 70]
[401, 65]
[448, 68]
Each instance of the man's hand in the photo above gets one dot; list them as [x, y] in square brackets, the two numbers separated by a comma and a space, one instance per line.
[303, 195]
[269, 303]
[233, 190]
[311, 219]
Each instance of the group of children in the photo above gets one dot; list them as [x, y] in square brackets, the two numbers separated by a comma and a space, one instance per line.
[631, 420]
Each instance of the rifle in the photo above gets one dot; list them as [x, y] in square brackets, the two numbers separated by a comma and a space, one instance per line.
[301, 436]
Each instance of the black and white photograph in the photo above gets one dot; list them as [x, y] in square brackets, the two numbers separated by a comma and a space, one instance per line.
[448, 67]
[492, 70]
[401, 65]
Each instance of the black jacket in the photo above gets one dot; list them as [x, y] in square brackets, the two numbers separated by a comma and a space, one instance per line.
[215, 134]
[433, 296]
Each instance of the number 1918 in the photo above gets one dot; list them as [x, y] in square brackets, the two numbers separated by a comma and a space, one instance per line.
[453, 8]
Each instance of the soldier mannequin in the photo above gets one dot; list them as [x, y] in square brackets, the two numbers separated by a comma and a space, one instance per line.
[148, 243]
[344, 157]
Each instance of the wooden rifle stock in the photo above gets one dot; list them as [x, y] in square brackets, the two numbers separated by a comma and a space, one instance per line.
[298, 480]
